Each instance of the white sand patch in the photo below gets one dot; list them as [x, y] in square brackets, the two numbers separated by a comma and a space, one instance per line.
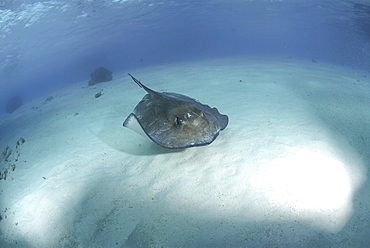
[283, 172]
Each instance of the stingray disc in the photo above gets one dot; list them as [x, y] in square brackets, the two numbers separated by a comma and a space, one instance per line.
[175, 121]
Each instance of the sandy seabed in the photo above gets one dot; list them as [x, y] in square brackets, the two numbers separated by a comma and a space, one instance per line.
[290, 170]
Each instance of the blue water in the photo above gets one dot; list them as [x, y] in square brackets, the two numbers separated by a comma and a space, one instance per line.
[46, 45]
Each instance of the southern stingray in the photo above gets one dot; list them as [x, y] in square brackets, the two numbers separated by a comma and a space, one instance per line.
[175, 121]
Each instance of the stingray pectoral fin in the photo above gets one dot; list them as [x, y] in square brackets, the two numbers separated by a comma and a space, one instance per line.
[223, 119]
[132, 123]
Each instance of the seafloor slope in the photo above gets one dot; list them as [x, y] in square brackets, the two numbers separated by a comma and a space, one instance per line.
[290, 169]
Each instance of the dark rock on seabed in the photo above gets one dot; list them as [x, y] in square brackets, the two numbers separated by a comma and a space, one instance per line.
[101, 74]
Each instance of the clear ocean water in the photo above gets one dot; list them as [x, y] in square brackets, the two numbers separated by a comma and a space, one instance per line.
[46, 45]
[290, 170]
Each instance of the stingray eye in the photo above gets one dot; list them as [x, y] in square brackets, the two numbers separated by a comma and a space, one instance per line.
[179, 121]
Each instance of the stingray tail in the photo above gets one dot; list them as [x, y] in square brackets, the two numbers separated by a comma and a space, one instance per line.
[141, 85]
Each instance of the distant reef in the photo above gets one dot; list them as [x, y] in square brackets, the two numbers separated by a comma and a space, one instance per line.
[101, 74]
[13, 104]
[8, 159]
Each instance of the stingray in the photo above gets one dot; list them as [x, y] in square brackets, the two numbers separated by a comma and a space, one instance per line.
[175, 121]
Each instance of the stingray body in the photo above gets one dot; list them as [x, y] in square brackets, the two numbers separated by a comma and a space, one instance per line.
[175, 121]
